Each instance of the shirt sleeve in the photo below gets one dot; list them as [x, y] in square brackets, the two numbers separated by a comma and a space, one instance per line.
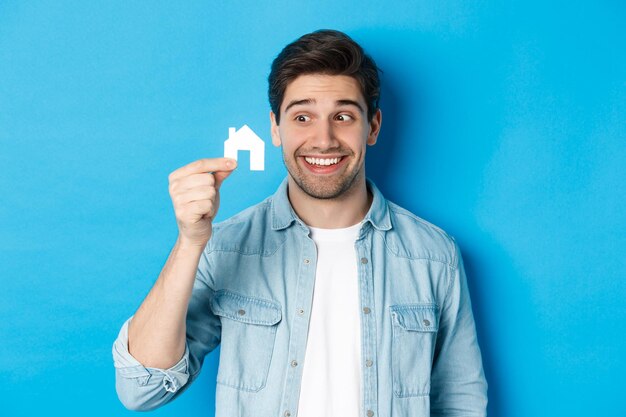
[143, 388]
[458, 384]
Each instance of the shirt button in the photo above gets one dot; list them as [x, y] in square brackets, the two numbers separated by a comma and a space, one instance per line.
[369, 363]
[301, 311]
[241, 312]
[426, 323]
[366, 310]
[294, 363]
[363, 260]
[370, 413]
[287, 413]
[306, 261]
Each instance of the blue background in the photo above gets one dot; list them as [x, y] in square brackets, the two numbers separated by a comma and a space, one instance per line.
[504, 124]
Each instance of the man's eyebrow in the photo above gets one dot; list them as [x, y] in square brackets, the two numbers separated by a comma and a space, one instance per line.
[343, 102]
[299, 102]
[347, 102]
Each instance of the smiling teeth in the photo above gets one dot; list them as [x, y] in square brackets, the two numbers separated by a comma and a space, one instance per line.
[322, 161]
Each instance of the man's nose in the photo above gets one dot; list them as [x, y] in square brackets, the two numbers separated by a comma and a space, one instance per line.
[324, 135]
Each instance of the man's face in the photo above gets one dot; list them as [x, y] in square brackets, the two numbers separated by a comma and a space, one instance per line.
[324, 132]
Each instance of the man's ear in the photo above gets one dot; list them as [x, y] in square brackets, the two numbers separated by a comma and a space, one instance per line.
[375, 124]
[274, 130]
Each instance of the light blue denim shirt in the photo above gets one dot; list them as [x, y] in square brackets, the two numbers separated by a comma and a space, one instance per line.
[253, 295]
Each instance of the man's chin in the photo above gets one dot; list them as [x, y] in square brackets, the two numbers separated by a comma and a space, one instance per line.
[327, 189]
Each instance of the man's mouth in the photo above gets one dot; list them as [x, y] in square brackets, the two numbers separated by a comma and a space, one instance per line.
[322, 161]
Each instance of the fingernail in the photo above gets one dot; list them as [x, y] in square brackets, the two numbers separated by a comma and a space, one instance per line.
[231, 163]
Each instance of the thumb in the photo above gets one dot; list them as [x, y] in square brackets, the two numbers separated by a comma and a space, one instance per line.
[220, 176]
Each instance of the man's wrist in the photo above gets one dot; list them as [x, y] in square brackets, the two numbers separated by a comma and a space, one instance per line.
[185, 245]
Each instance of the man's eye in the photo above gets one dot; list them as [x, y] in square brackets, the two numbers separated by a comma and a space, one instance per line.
[344, 117]
[302, 118]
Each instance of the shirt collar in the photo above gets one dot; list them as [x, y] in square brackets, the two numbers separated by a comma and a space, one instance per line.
[284, 216]
[378, 214]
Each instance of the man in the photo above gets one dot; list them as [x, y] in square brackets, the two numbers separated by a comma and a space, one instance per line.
[327, 299]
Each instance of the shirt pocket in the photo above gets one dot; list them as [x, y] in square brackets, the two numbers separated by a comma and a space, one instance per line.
[248, 335]
[415, 329]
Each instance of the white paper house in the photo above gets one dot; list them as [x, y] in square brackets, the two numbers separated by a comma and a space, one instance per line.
[245, 139]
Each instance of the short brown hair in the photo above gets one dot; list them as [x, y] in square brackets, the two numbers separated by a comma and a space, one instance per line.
[324, 52]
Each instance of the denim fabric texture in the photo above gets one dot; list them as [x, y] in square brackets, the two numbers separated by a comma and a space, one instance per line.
[252, 296]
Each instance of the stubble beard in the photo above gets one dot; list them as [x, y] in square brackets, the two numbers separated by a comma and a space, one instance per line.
[323, 189]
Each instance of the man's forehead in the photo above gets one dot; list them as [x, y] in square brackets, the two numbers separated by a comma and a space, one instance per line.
[312, 89]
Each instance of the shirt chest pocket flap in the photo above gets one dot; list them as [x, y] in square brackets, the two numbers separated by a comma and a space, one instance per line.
[415, 329]
[248, 335]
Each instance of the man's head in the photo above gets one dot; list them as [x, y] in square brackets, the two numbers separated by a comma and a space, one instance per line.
[328, 52]
[324, 95]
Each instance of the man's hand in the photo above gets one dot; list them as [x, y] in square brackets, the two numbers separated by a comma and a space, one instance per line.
[194, 190]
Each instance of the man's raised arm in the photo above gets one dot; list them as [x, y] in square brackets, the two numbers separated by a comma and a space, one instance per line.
[151, 353]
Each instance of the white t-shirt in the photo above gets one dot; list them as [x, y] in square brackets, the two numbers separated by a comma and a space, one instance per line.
[331, 376]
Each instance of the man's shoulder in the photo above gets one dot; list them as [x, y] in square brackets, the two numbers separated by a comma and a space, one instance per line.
[246, 232]
[415, 238]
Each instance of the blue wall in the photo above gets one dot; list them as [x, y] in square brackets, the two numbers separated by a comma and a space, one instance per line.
[505, 124]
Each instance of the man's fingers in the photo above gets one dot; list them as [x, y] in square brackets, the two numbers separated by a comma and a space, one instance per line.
[195, 194]
[220, 176]
[204, 208]
[204, 165]
[193, 181]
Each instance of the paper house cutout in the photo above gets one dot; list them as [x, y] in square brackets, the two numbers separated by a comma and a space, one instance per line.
[245, 139]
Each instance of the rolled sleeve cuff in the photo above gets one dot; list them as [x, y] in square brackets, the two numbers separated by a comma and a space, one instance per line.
[127, 367]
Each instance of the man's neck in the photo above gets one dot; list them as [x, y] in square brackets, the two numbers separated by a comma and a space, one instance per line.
[343, 211]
